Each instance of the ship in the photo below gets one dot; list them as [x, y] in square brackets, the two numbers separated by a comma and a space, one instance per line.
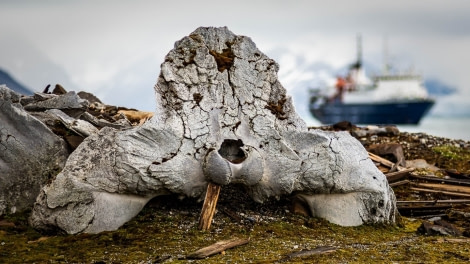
[387, 98]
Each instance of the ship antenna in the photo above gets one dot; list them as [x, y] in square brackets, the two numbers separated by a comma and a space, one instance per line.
[386, 65]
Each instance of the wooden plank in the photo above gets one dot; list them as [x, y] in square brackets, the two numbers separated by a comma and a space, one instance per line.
[442, 192]
[398, 175]
[461, 182]
[385, 162]
[453, 201]
[308, 253]
[208, 208]
[381, 160]
[217, 248]
[232, 215]
[399, 183]
[444, 187]
[423, 210]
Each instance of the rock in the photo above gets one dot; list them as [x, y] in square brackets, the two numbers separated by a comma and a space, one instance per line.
[9, 95]
[421, 164]
[438, 227]
[37, 97]
[223, 117]
[29, 154]
[59, 90]
[371, 130]
[344, 126]
[91, 98]
[100, 123]
[56, 125]
[81, 127]
[69, 103]
[393, 149]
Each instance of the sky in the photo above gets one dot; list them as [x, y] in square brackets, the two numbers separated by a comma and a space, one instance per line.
[114, 48]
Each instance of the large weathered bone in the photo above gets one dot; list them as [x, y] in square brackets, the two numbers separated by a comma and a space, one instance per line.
[222, 116]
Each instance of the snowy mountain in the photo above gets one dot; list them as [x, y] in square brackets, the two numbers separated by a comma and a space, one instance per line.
[438, 88]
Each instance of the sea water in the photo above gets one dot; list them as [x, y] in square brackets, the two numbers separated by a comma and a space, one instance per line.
[441, 126]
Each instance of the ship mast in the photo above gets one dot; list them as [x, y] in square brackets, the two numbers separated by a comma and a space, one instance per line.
[386, 65]
[356, 68]
[359, 51]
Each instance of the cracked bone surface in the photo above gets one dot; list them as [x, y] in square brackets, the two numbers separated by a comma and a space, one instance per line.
[222, 116]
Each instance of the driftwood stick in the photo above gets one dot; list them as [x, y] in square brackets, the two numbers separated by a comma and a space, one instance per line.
[217, 248]
[307, 253]
[399, 183]
[232, 214]
[398, 175]
[443, 192]
[436, 179]
[385, 162]
[208, 208]
[456, 201]
[444, 187]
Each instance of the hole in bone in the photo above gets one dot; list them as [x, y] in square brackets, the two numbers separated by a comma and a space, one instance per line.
[381, 203]
[231, 151]
[373, 211]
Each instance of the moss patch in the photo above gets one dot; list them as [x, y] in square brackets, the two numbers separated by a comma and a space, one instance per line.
[166, 231]
[453, 157]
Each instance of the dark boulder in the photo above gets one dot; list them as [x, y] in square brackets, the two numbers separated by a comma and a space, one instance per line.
[30, 154]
